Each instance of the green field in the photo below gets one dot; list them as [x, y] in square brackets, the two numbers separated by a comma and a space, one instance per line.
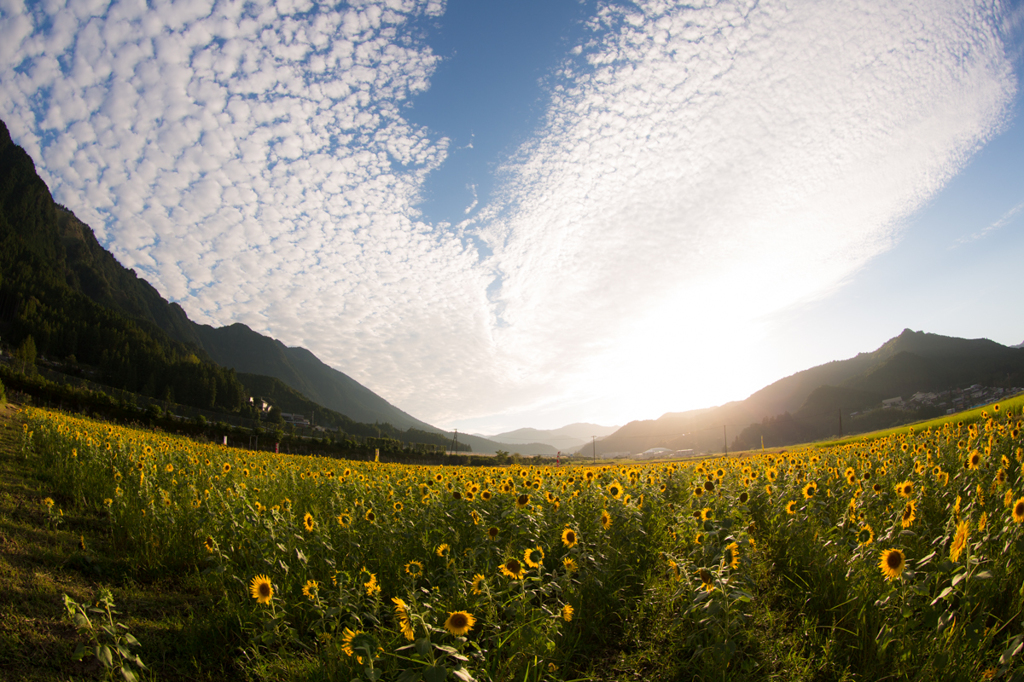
[888, 556]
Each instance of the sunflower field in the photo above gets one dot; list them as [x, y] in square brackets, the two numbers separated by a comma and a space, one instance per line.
[900, 555]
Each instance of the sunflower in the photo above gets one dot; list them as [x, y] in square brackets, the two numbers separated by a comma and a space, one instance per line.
[522, 501]
[308, 522]
[706, 580]
[414, 568]
[344, 520]
[370, 516]
[227, 467]
[982, 521]
[892, 563]
[606, 519]
[614, 489]
[959, 540]
[567, 611]
[809, 490]
[569, 564]
[261, 589]
[346, 640]
[534, 557]
[791, 507]
[398, 506]
[210, 543]
[744, 497]
[492, 532]
[973, 460]
[569, 538]
[479, 583]
[909, 513]
[513, 569]
[443, 550]
[866, 534]
[1018, 510]
[309, 590]
[402, 614]
[169, 468]
[459, 622]
[731, 555]
[905, 489]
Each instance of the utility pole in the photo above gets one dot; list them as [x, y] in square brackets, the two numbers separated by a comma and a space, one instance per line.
[594, 441]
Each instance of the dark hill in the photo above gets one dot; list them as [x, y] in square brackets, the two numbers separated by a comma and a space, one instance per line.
[59, 285]
[807, 405]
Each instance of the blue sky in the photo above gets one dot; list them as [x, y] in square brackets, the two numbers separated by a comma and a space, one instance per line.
[499, 215]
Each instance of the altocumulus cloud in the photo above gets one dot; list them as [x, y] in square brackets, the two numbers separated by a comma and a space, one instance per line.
[252, 160]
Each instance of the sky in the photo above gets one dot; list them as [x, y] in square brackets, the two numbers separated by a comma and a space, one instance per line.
[528, 214]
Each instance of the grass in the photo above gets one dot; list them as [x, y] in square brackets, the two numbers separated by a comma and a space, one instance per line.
[41, 561]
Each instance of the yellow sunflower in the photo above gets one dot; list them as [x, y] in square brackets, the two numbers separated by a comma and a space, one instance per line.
[513, 569]
[459, 622]
[909, 513]
[492, 533]
[443, 550]
[479, 583]
[1018, 511]
[209, 543]
[344, 520]
[309, 590]
[791, 507]
[866, 534]
[346, 640]
[567, 612]
[308, 522]
[534, 557]
[606, 519]
[569, 538]
[731, 555]
[959, 540]
[261, 589]
[414, 568]
[892, 563]
[614, 489]
[569, 564]
[810, 490]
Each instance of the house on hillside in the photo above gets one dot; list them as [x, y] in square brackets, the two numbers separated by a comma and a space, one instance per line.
[892, 403]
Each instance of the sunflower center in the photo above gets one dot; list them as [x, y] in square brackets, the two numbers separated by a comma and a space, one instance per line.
[459, 621]
[894, 560]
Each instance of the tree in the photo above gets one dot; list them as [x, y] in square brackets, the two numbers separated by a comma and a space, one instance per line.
[25, 355]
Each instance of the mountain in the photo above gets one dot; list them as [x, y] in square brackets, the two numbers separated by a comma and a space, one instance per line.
[808, 404]
[566, 439]
[60, 286]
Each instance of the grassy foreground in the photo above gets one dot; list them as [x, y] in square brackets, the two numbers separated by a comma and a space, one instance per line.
[894, 557]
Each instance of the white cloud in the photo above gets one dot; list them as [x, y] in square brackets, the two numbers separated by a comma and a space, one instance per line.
[253, 162]
[702, 168]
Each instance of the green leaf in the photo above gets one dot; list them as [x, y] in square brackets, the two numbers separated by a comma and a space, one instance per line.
[423, 647]
[463, 675]
[130, 638]
[128, 675]
[435, 673]
[80, 652]
[982, 575]
[409, 675]
[105, 655]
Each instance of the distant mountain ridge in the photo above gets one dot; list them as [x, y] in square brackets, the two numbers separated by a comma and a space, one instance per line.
[903, 365]
[565, 439]
[45, 243]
